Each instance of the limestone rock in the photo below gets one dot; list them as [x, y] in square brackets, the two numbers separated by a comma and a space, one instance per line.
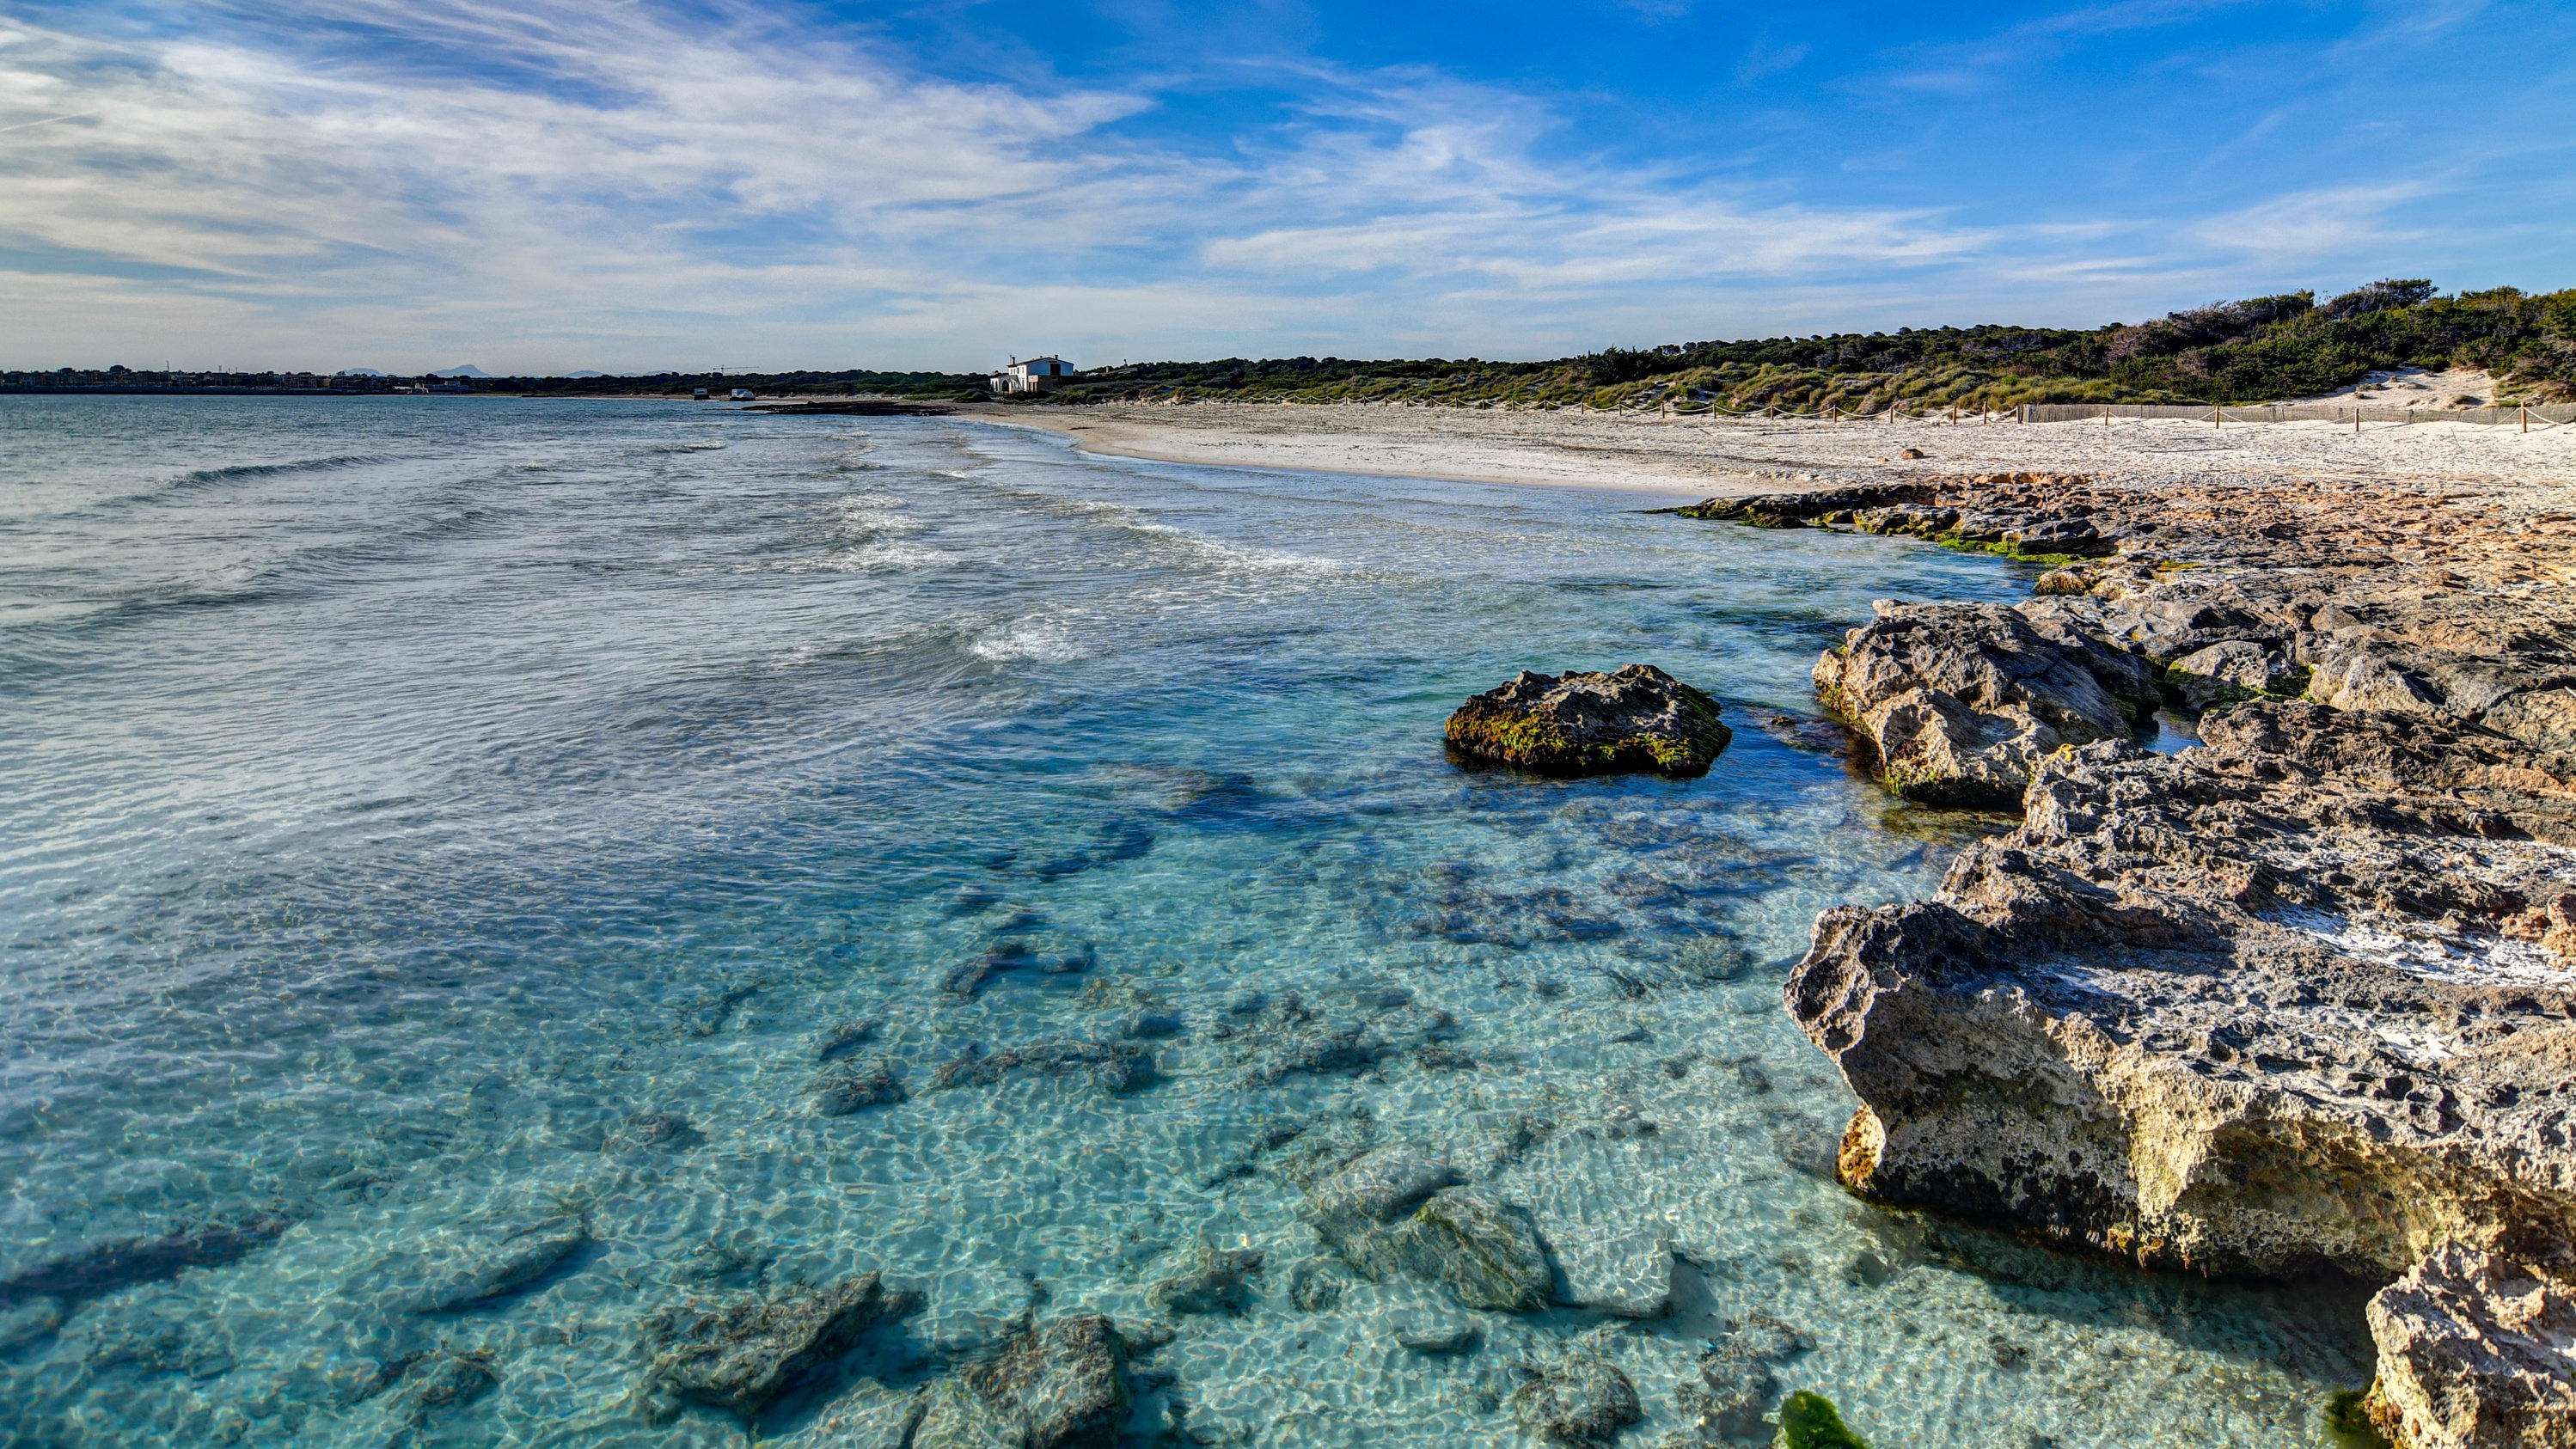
[472, 1263]
[1117, 1066]
[738, 1352]
[1062, 1385]
[868, 1416]
[2220, 1010]
[1432, 1330]
[104, 1267]
[2474, 1354]
[846, 1087]
[2230, 673]
[1413, 1316]
[1216, 1280]
[28, 1322]
[1636, 719]
[1581, 1399]
[1394, 1211]
[1374, 1192]
[1961, 701]
[1480, 1246]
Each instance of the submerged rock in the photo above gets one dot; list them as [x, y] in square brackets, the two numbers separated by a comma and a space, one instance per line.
[28, 1322]
[1581, 1399]
[1217, 1280]
[1636, 719]
[846, 1087]
[1395, 1211]
[1117, 1066]
[1062, 1385]
[473, 1263]
[121, 1263]
[667, 1130]
[867, 1416]
[448, 1380]
[847, 1037]
[738, 1352]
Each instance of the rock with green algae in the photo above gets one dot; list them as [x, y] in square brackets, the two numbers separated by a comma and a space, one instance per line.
[1808, 1421]
[1635, 719]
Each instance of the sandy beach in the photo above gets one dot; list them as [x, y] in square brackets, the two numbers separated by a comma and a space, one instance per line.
[1716, 457]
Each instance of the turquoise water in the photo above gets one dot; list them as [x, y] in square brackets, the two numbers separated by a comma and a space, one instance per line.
[424, 818]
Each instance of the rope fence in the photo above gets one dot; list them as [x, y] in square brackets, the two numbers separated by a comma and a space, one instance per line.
[2550, 415]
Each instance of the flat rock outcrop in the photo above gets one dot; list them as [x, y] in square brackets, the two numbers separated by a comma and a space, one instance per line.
[2299, 1001]
[1633, 719]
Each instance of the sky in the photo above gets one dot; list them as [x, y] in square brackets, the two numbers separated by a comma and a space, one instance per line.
[539, 186]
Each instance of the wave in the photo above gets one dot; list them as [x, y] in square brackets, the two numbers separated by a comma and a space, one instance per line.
[241, 472]
[1035, 639]
[869, 557]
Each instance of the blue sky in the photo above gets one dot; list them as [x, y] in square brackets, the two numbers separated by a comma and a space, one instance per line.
[544, 186]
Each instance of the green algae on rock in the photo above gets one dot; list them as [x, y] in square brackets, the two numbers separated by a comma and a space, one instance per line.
[1808, 1421]
[1636, 719]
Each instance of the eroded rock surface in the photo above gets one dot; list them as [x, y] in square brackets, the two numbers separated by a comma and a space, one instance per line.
[2474, 1349]
[2300, 1000]
[1634, 719]
[1960, 702]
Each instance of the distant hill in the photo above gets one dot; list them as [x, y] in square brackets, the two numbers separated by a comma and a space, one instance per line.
[468, 370]
[357, 372]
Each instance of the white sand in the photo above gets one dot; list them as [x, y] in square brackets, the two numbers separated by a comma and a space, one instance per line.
[2414, 387]
[1706, 456]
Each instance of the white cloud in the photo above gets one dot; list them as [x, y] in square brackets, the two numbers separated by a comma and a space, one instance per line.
[545, 185]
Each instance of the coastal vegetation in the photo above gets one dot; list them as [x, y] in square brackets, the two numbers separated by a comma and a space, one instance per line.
[2288, 345]
[2256, 349]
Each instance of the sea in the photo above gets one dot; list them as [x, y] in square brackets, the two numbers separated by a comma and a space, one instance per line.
[476, 875]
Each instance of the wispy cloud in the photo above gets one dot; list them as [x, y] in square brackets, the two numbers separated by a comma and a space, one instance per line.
[546, 184]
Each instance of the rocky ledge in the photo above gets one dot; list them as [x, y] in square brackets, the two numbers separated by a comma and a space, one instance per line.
[2299, 1001]
[1635, 719]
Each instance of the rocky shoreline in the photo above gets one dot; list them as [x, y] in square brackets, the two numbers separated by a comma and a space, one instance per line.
[2296, 1002]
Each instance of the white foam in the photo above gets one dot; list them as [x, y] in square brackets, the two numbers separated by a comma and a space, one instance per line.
[1045, 641]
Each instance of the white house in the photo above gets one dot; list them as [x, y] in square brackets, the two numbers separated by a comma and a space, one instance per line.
[1037, 374]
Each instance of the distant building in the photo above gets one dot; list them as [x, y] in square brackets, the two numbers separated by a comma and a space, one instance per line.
[1038, 374]
[744, 394]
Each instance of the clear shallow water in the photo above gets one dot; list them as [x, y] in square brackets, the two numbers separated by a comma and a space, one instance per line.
[403, 803]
